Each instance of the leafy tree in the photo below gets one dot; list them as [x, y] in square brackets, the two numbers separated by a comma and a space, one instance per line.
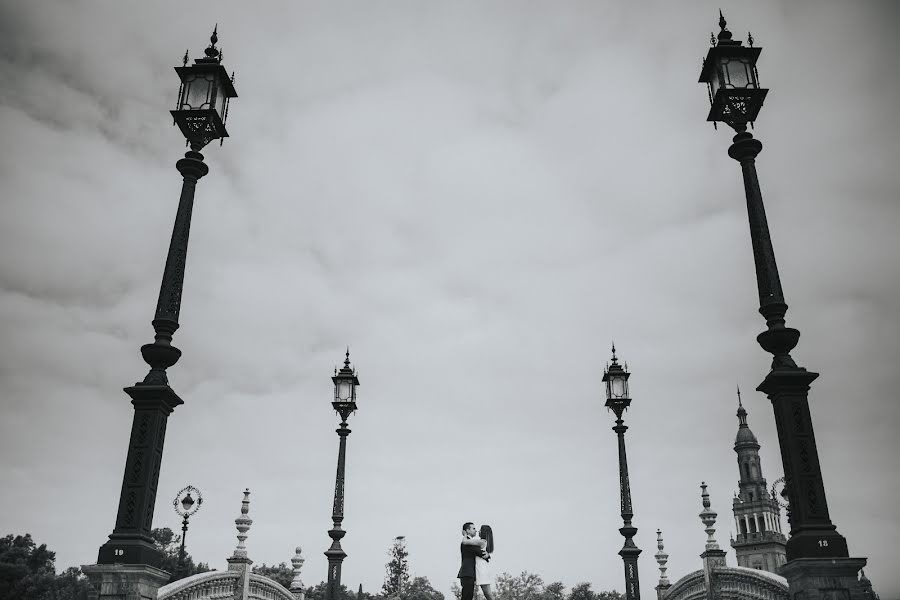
[169, 546]
[582, 591]
[525, 586]
[71, 584]
[281, 573]
[396, 577]
[27, 572]
[554, 591]
[317, 592]
[420, 589]
[457, 591]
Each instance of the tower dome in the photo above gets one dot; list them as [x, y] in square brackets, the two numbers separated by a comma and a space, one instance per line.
[745, 437]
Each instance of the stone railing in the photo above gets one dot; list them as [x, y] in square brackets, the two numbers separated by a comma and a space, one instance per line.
[212, 585]
[690, 587]
[749, 584]
[263, 588]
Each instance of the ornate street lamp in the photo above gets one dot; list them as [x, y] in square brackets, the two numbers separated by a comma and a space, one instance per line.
[616, 379]
[202, 105]
[185, 506]
[345, 384]
[730, 72]
[203, 97]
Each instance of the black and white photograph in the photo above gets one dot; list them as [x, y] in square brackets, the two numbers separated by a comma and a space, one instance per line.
[429, 300]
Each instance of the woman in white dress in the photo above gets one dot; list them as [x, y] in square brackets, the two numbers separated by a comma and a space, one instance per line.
[483, 577]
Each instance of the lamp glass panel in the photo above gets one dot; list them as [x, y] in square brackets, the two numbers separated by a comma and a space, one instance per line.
[737, 73]
[617, 386]
[343, 389]
[187, 502]
[220, 98]
[198, 92]
[715, 81]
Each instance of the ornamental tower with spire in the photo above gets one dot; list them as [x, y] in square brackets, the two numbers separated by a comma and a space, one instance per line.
[760, 543]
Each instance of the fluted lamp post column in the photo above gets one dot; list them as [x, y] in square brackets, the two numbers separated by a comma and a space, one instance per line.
[345, 384]
[616, 379]
[735, 95]
[127, 565]
[202, 105]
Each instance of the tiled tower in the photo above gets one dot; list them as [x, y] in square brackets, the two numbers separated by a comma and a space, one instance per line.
[760, 543]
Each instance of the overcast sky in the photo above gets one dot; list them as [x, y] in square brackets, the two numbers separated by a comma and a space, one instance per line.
[478, 199]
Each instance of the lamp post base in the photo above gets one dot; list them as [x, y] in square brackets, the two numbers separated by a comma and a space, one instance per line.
[124, 582]
[129, 550]
[824, 578]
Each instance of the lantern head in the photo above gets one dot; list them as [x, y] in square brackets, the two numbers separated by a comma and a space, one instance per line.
[345, 384]
[203, 97]
[616, 379]
[729, 71]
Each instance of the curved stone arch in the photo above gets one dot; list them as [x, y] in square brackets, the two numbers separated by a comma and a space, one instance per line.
[742, 583]
[223, 585]
[202, 586]
[690, 587]
[263, 588]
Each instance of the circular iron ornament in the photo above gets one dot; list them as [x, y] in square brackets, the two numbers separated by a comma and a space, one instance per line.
[778, 494]
[195, 500]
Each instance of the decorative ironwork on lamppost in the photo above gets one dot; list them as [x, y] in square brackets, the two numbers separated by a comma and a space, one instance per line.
[201, 112]
[185, 506]
[729, 70]
[616, 379]
[345, 384]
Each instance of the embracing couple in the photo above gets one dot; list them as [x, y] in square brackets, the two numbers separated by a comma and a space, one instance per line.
[476, 549]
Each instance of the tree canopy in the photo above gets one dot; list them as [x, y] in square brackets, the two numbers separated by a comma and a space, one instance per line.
[28, 572]
[396, 576]
[169, 545]
[280, 573]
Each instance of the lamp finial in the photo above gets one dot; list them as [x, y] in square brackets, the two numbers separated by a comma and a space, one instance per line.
[724, 36]
[211, 51]
[184, 59]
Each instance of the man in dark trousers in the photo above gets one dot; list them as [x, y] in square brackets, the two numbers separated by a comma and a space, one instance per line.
[467, 569]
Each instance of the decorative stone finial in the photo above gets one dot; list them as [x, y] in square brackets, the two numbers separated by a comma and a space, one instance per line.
[662, 558]
[708, 517]
[243, 523]
[297, 562]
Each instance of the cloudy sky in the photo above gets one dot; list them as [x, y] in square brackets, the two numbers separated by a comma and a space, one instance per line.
[478, 199]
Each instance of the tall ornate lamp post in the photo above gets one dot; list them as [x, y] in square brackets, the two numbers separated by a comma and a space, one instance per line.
[345, 384]
[201, 110]
[185, 506]
[735, 95]
[616, 379]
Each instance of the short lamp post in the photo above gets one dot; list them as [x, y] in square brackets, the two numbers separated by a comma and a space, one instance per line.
[185, 506]
[344, 403]
[201, 112]
[817, 549]
[616, 379]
